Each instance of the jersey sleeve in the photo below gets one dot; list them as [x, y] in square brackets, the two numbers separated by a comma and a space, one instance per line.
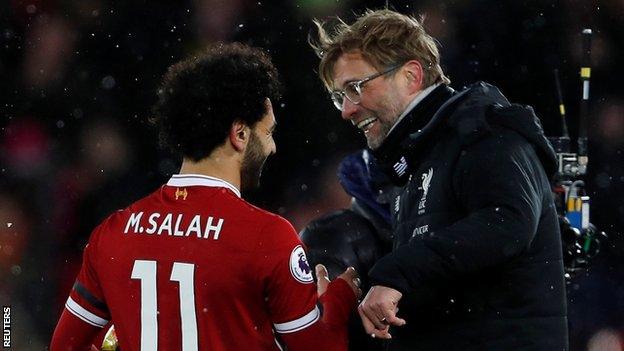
[330, 333]
[71, 333]
[289, 284]
[86, 300]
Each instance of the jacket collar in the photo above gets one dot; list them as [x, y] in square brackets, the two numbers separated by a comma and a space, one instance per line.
[420, 97]
[392, 153]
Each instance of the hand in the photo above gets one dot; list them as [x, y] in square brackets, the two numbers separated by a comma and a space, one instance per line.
[349, 275]
[378, 311]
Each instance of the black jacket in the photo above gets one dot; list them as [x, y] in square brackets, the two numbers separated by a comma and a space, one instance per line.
[477, 251]
[341, 239]
[355, 237]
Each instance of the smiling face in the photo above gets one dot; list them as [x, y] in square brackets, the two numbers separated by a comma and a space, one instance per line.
[382, 99]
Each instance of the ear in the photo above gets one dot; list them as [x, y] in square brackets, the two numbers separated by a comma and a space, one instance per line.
[414, 75]
[239, 135]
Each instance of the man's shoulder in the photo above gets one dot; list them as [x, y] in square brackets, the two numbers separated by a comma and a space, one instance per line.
[256, 216]
[268, 230]
[277, 228]
[468, 111]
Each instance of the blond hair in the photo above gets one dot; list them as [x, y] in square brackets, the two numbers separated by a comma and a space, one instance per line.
[384, 38]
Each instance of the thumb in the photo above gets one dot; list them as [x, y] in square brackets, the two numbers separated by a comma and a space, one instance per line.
[321, 279]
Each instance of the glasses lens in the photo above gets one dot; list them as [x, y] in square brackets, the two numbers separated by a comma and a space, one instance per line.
[352, 91]
[338, 98]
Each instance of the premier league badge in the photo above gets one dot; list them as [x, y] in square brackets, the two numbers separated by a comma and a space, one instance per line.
[299, 267]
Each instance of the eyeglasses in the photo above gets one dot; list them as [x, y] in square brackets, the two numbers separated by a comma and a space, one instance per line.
[353, 90]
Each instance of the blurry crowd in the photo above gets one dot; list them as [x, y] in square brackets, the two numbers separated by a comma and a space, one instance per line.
[78, 78]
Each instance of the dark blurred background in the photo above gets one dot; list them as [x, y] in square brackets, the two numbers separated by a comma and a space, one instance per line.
[78, 78]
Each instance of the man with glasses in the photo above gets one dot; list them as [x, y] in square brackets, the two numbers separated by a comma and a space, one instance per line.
[476, 261]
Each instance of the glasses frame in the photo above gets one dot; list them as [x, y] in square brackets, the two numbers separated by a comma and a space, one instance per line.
[338, 95]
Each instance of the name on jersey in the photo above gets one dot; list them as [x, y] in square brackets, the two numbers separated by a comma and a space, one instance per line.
[174, 225]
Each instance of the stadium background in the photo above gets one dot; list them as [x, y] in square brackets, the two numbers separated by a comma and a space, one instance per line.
[78, 78]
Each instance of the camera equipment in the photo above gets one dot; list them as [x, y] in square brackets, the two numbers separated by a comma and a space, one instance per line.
[580, 239]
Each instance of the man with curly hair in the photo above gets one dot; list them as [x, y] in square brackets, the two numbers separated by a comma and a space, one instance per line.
[476, 262]
[193, 266]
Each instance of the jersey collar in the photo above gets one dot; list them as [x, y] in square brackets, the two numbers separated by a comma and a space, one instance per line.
[180, 180]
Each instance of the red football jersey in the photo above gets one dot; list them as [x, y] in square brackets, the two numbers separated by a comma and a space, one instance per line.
[194, 267]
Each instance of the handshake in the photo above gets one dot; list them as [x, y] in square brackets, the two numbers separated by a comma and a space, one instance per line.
[377, 310]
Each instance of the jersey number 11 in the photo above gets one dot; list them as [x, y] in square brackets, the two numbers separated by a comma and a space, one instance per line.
[183, 273]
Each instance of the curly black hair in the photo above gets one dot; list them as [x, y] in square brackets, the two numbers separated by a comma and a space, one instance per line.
[202, 96]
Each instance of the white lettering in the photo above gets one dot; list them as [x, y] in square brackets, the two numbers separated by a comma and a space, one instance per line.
[133, 221]
[6, 327]
[195, 226]
[210, 227]
[166, 224]
[176, 230]
[420, 230]
[152, 222]
[159, 224]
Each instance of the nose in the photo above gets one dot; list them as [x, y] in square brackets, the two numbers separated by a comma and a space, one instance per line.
[348, 110]
[272, 147]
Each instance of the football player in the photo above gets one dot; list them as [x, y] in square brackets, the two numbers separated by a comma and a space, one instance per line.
[193, 266]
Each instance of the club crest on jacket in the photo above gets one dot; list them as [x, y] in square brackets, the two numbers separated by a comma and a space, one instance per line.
[426, 183]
